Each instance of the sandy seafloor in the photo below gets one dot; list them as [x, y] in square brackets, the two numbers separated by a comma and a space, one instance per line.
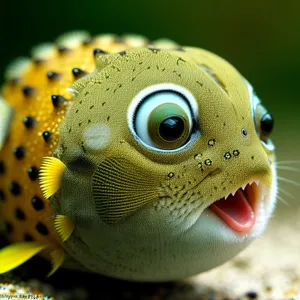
[268, 269]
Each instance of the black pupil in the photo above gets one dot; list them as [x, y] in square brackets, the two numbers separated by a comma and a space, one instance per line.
[266, 124]
[171, 129]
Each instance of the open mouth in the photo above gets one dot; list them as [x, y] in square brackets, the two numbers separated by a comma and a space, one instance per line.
[238, 209]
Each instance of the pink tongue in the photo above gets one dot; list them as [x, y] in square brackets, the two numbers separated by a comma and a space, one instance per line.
[235, 211]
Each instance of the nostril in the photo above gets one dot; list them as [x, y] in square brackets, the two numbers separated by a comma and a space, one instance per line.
[244, 132]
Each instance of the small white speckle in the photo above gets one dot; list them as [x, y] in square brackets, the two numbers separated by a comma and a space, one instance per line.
[97, 137]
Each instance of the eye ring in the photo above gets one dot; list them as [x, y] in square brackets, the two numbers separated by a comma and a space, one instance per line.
[185, 102]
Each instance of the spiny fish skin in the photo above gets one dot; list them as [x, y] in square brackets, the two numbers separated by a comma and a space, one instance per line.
[115, 149]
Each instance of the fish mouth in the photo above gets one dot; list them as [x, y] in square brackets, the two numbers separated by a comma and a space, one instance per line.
[238, 209]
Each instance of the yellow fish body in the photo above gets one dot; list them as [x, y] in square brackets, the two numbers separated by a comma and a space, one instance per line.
[136, 160]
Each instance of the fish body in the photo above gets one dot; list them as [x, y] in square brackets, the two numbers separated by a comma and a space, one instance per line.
[136, 160]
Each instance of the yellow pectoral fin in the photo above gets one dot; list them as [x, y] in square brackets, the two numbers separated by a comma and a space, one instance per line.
[15, 255]
[51, 172]
[57, 259]
[64, 226]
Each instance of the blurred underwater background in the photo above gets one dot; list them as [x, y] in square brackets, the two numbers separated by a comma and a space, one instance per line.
[261, 39]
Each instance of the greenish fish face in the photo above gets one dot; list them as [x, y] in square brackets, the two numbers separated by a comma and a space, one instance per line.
[169, 165]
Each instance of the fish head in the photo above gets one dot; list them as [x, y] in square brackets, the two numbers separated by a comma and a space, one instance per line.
[169, 164]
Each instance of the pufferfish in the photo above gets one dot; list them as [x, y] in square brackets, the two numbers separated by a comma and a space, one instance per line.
[138, 160]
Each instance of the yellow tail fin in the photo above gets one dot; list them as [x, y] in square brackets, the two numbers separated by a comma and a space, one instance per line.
[15, 255]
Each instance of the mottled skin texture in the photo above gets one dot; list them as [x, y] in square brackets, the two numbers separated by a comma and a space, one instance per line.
[141, 213]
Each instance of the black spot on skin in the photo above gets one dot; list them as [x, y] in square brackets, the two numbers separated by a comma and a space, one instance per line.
[252, 295]
[98, 51]
[19, 152]
[2, 167]
[108, 118]
[28, 91]
[227, 155]
[47, 136]
[37, 203]
[78, 73]
[33, 173]
[62, 49]
[28, 237]
[8, 227]
[236, 152]
[41, 228]
[19, 214]
[29, 122]
[154, 50]
[15, 188]
[92, 106]
[252, 157]
[53, 75]
[58, 101]
[122, 53]
[2, 195]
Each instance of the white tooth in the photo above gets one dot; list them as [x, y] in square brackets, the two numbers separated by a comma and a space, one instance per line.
[244, 186]
[257, 182]
[251, 182]
[226, 196]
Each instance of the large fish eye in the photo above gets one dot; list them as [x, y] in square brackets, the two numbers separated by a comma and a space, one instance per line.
[264, 122]
[164, 120]
[161, 117]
